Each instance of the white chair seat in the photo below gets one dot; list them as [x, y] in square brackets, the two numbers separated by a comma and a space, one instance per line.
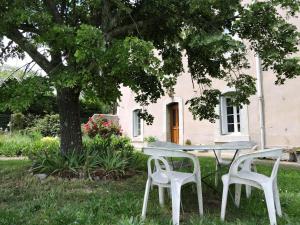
[251, 176]
[257, 177]
[160, 177]
[165, 177]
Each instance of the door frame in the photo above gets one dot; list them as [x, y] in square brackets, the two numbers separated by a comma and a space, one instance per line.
[166, 120]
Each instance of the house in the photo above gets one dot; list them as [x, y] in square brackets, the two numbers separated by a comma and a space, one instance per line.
[271, 119]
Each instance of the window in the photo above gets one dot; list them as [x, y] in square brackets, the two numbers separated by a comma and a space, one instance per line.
[230, 116]
[136, 123]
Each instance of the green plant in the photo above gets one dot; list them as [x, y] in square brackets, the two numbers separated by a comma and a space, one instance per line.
[113, 164]
[18, 144]
[188, 142]
[150, 139]
[131, 221]
[49, 125]
[101, 158]
[99, 125]
[56, 163]
[17, 122]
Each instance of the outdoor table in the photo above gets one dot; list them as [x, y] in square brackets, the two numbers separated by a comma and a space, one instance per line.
[222, 147]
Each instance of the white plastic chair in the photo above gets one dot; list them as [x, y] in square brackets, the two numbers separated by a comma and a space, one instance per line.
[165, 177]
[226, 162]
[244, 176]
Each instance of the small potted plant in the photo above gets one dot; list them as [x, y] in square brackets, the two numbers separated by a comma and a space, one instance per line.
[150, 139]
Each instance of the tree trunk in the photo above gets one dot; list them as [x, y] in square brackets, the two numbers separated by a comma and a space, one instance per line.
[68, 105]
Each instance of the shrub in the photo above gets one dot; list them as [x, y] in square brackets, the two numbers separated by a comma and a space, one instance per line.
[18, 144]
[17, 122]
[14, 145]
[102, 158]
[150, 139]
[49, 125]
[98, 125]
[188, 142]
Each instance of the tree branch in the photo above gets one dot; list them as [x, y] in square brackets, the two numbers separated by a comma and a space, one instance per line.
[5, 49]
[29, 28]
[53, 10]
[124, 29]
[19, 39]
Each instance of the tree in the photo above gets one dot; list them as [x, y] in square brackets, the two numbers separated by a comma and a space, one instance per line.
[95, 46]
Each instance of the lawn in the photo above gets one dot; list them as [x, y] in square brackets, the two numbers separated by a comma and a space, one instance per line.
[24, 200]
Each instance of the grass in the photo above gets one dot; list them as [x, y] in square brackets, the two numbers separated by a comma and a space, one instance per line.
[24, 200]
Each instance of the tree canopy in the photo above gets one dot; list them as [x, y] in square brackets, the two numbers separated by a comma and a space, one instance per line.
[95, 46]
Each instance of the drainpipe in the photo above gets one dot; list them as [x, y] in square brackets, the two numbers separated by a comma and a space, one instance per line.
[260, 95]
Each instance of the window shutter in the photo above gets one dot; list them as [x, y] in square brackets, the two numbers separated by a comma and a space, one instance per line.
[136, 126]
[223, 115]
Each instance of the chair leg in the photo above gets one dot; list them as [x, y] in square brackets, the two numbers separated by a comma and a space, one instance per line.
[277, 199]
[146, 196]
[237, 197]
[199, 194]
[161, 196]
[175, 189]
[224, 200]
[217, 174]
[268, 190]
[248, 191]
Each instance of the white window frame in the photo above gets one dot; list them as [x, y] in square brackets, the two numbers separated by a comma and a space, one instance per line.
[221, 132]
[224, 117]
[137, 121]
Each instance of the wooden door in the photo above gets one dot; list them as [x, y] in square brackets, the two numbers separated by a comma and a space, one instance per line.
[174, 123]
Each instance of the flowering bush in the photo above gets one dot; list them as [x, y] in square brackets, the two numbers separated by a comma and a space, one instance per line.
[98, 124]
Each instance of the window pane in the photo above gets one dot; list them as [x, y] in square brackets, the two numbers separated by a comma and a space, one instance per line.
[230, 128]
[239, 127]
[229, 110]
[228, 101]
[238, 118]
[230, 119]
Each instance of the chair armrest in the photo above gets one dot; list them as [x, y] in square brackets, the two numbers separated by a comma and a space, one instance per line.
[247, 158]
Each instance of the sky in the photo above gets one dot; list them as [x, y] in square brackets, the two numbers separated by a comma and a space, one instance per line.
[17, 63]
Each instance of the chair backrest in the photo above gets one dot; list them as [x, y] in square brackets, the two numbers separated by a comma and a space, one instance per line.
[158, 154]
[275, 153]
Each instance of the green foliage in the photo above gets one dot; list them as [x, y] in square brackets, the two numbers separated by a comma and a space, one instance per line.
[188, 142]
[99, 125]
[17, 122]
[18, 144]
[102, 158]
[18, 94]
[150, 139]
[131, 221]
[49, 125]
[271, 37]
[202, 107]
